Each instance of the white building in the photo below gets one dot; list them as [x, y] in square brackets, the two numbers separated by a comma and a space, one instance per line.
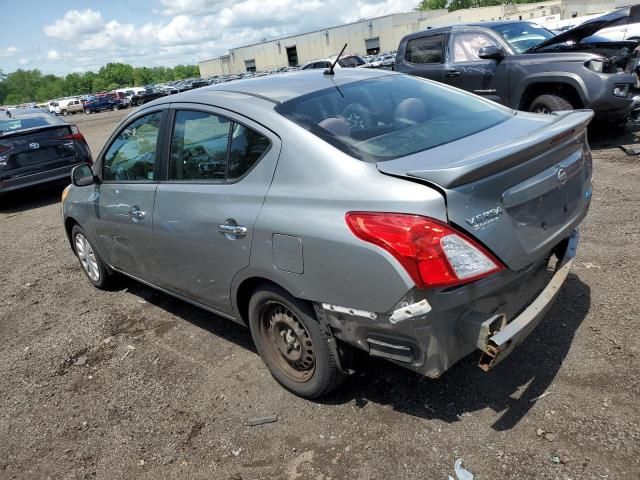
[383, 34]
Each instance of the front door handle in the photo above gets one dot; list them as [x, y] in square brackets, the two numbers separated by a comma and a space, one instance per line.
[452, 73]
[136, 213]
[232, 230]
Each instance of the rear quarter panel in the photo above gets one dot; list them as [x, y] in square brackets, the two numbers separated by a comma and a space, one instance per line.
[314, 186]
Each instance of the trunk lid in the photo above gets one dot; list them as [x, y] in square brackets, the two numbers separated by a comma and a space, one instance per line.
[519, 198]
[27, 148]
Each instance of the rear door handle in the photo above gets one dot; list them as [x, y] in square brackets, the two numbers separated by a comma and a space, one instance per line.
[452, 73]
[136, 213]
[232, 230]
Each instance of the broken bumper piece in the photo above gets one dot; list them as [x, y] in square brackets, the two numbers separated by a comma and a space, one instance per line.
[499, 345]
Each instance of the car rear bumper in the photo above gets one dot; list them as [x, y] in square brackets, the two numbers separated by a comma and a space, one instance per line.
[39, 178]
[430, 331]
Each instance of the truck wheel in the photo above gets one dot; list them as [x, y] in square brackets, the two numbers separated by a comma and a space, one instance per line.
[114, 108]
[94, 267]
[549, 103]
[65, 113]
[87, 111]
[292, 343]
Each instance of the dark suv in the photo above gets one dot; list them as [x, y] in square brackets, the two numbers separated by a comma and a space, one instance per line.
[526, 67]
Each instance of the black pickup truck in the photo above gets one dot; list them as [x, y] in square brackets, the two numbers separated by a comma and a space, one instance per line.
[524, 66]
[146, 96]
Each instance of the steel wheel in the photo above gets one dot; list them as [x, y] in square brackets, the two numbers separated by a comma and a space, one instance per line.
[87, 257]
[287, 341]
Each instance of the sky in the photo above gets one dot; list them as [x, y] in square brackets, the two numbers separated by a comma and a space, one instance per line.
[64, 36]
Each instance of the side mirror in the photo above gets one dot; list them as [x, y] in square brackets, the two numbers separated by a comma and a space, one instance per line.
[491, 52]
[82, 175]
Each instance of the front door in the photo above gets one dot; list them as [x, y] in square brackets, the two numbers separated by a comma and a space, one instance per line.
[125, 196]
[219, 169]
[466, 70]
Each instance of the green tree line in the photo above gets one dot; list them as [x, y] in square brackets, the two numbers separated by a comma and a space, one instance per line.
[24, 86]
[460, 4]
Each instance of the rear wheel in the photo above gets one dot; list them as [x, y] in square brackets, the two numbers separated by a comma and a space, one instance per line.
[114, 108]
[292, 343]
[93, 266]
[65, 113]
[549, 103]
[87, 111]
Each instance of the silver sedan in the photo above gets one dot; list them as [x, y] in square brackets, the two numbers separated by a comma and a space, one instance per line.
[328, 212]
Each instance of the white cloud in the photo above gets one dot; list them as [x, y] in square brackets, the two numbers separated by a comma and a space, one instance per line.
[74, 24]
[192, 30]
[23, 61]
[8, 52]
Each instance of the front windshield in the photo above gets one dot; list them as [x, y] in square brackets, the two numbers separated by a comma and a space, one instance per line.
[392, 116]
[523, 35]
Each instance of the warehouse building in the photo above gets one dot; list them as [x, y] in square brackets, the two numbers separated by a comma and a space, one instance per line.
[383, 34]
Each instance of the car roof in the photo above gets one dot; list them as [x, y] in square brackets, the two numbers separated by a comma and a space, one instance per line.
[285, 86]
[457, 26]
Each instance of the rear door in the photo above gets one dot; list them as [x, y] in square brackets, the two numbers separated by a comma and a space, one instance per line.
[34, 150]
[466, 70]
[126, 194]
[218, 171]
[423, 56]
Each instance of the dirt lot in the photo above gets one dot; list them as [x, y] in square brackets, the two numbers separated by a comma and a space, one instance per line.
[134, 384]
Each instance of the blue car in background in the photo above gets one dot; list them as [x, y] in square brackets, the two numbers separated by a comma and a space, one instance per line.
[102, 102]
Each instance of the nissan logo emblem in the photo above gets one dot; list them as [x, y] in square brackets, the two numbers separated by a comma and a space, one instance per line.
[562, 176]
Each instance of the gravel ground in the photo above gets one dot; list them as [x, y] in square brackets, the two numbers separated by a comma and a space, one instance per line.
[135, 384]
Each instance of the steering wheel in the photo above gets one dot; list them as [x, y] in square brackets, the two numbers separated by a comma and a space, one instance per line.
[123, 173]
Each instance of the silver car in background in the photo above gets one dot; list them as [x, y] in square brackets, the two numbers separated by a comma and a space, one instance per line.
[364, 209]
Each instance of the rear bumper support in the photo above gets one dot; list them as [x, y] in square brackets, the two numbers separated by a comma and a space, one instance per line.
[498, 346]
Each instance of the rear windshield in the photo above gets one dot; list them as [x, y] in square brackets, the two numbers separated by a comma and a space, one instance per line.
[523, 35]
[8, 125]
[392, 116]
[352, 61]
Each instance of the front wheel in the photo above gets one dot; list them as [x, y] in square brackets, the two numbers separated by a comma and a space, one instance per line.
[65, 113]
[93, 266]
[292, 343]
[87, 111]
[550, 103]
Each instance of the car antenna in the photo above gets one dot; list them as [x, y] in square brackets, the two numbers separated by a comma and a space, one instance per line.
[329, 71]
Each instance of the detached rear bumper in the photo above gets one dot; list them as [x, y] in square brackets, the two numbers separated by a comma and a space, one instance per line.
[429, 330]
[499, 345]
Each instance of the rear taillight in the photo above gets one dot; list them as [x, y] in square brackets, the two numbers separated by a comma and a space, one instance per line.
[433, 253]
[74, 135]
[77, 136]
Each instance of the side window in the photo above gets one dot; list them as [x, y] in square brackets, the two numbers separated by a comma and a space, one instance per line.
[467, 44]
[424, 49]
[199, 146]
[132, 154]
[246, 148]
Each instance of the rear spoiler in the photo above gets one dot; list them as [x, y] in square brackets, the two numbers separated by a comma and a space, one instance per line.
[502, 156]
[13, 133]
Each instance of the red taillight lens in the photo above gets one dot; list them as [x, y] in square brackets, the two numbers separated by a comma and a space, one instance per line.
[77, 136]
[433, 253]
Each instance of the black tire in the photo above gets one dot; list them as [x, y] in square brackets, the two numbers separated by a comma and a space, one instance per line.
[114, 108]
[269, 302]
[106, 278]
[65, 113]
[550, 103]
[87, 111]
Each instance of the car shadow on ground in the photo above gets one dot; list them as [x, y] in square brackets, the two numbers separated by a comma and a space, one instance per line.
[511, 388]
[30, 198]
[603, 136]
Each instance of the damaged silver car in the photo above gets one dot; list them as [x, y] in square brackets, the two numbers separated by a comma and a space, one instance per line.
[326, 211]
